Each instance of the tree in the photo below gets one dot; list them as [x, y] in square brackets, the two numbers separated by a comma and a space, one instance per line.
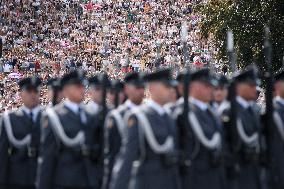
[247, 19]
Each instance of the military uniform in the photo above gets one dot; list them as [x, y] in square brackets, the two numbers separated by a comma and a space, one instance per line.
[201, 142]
[19, 144]
[276, 166]
[114, 131]
[248, 133]
[148, 158]
[115, 128]
[70, 153]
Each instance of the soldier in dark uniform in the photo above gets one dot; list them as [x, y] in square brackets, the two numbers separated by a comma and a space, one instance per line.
[148, 155]
[70, 150]
[220, 94]
[55, 90]
[201, 136]
[20, 139]
[171, 107]
[247, 131]
[96, 93]
[277, 144]
[116, 94]
[115, 125]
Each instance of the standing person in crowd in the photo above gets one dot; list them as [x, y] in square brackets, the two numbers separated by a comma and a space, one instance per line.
[201, 137]
[55, 91]
[69, 151]
[20, 139]
[115, 125]
[220, 95]
[151, 141]
[276, 166]
[246, 154]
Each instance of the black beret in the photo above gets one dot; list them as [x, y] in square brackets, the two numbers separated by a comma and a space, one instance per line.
[29, 82]
[74, 77]
[222, 81]
[249, 75]
[54, 83]
[204, 75]
[279, 75]
[161, 75]
[180, 76]
[94, 80]
[116, 85]
[134, 78]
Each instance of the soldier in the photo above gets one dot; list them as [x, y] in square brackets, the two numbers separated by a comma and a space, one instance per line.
[201, 136]
[70, 150]
[171, 107]
[116, 94]
[220, 94]
[55, 91]
[96, 93]
[277, 137]
[148, 155]
[20, 139]
[247, 149]
[115, 125]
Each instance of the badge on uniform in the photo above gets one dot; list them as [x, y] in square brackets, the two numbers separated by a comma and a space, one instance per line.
[45, 123]
[130, 122]
[110, 123]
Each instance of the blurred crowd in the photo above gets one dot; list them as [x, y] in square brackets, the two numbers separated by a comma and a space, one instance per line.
[50, 38]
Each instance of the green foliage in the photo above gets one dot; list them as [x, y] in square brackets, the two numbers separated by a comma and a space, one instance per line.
[247, 19]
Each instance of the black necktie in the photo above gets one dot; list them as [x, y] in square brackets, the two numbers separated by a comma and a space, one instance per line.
[252, 115]
[31, 117]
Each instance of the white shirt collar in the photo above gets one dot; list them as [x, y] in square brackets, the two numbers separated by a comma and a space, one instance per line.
[35, 111]
[94, 105]
[74, 107]
[157, 107]
[280, 100]
[202, 105]
[130, 104]
[244, 103]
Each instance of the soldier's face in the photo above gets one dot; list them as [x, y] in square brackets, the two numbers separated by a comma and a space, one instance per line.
[247, 91]
[201, 91]
[135, 94]
[220, 94]
[74, 92]
[30, 97]
[279, 88]
[96, 94]
[160, 92]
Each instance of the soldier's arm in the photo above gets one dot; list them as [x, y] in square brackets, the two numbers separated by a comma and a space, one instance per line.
[4, 144]
[129, 152]
[48, 157]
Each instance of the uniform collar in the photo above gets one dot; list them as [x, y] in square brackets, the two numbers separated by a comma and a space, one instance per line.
[35, 111]
[94, 105]
[157, 107]
[202, 105]
[130, 104]
[74, 107]
[279, 100]
[244, 103]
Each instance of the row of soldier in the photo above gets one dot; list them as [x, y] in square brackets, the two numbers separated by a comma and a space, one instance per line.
[142, 143]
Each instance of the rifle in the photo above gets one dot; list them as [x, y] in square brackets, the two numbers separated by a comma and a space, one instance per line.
[231, 121]
[267, 118]
[183, 129]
